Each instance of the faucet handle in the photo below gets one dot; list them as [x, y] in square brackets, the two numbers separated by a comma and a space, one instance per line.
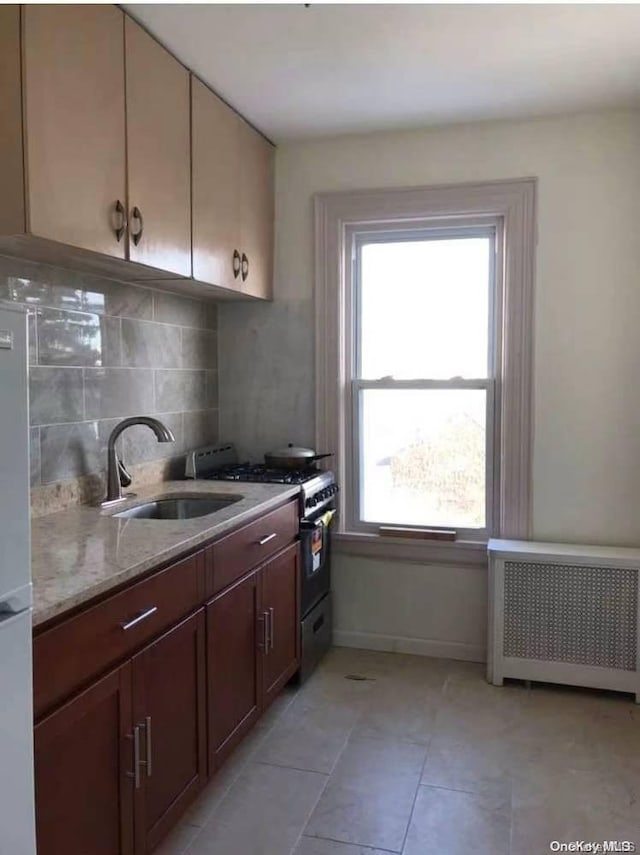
[123, 474]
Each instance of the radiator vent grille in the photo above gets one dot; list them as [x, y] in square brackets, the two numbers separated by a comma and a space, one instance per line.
[567, 613]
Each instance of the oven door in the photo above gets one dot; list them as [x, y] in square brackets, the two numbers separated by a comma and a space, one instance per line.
[315, 551]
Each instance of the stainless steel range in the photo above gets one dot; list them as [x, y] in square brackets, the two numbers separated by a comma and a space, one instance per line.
[318, 491]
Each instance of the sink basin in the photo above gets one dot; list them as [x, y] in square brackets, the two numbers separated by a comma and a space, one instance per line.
[182, 508]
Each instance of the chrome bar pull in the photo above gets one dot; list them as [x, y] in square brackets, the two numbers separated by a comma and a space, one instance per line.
[266, 539]
[265, 631]
[271, 623]
[139, 618]
[149, 755]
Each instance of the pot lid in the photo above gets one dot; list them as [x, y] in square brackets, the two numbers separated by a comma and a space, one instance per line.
[292, 451]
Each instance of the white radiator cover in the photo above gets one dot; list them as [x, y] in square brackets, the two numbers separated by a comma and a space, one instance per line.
[562, 613]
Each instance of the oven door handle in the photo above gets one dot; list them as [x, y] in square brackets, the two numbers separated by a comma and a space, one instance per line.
[325, 519]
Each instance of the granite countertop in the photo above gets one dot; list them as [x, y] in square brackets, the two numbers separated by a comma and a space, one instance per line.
[83, 552]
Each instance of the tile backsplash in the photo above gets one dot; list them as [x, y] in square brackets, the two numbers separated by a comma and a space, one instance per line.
[101, 350]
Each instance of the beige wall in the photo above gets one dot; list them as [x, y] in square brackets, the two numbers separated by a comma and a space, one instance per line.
[586, 469]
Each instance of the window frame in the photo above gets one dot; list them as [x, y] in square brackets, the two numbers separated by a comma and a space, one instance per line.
[431, 229]
[340, 215]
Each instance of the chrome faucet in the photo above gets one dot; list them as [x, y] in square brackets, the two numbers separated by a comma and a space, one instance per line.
[116, 473]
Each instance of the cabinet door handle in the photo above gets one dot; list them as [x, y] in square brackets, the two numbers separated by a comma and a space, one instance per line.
[245, 267]
[271, 626]
[147, 725]
[236, 263]
[266, 539]
[136, 756]
[265, 631]
[136, 214]
[136, 620]
[121, 220]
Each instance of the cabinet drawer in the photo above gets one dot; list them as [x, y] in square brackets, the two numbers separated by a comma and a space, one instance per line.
[69, 654]
[234, 555]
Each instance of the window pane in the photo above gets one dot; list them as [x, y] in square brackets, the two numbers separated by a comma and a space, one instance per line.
[424, 308]
[422, 458]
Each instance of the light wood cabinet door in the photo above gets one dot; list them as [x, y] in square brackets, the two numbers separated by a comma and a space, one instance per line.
[158, 154]
[281, 609]
[169, 707]
[84, 755]
[74, 112]
[215, 141]
[234, 633]
[256, 217]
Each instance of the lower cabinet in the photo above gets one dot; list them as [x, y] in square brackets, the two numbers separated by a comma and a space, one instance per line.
[280, 611]
[116, 766]
[118, 763]
[169, 711]
[234, 673]
[84, 772]
[253, 648]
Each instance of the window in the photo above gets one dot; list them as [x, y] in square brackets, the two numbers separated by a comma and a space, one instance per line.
[424, 339]
[422, 377]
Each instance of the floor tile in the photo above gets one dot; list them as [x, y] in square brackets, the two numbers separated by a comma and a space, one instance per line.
[401, 710]
[567, 805]
[455, 823]
[309, 735]
[227, 775]
[575, 728]
[318, 846]
[177, 841]
[263, 813]
[370, 794]
[476, 766]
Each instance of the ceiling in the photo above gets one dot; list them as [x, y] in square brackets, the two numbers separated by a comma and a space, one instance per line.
[299, 72]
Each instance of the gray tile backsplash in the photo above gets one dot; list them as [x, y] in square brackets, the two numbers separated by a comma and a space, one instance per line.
[101, 350]
[56, 395]
[120, 392]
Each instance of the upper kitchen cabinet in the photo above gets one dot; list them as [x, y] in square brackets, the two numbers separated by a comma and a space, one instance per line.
[215, 134]
[74, 123]
[232, 198]
[105, 139]
[158, 154]
[256, 213]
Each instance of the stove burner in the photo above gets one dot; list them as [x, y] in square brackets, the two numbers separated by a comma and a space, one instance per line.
[258, 472]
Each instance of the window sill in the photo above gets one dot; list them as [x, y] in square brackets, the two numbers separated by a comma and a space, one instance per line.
[460, 553]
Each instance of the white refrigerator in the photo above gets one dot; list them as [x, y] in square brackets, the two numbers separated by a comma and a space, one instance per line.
[17, 823]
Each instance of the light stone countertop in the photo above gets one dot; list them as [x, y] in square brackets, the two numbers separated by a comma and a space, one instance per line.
[81, 553]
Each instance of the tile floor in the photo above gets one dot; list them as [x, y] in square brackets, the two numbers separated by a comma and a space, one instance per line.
[422, 757]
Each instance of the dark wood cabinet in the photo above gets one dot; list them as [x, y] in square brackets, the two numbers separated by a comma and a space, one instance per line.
[279, 605]
[84, 757]
[117, 763]
[169, 708]
[234, 673]
[253, 648]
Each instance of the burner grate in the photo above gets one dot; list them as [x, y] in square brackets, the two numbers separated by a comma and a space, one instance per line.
[260, 473]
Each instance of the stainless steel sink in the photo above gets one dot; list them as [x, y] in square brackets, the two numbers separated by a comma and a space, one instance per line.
[178, 508]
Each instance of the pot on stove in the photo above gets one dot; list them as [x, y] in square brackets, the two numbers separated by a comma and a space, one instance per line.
[293, 457]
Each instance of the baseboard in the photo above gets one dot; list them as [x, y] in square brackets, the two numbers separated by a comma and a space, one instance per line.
[416, 646]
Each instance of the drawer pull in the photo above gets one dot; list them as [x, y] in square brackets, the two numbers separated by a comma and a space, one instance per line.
[266, 539]
[136, 620]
